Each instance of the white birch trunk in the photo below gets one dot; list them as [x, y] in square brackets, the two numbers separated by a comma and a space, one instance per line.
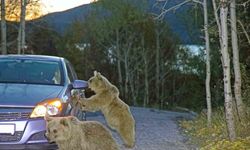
[126, 74]
[119, 62]
[217, 21]
[226, 71]
[208, 72]
[236, 63]
[3, 29]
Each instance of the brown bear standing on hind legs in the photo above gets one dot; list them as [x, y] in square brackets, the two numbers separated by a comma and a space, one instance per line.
[116, 112]
[71, 134]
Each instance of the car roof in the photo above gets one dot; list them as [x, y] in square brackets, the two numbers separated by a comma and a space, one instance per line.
[37, 57]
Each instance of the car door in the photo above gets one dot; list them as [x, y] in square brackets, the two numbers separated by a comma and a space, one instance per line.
[78, 92]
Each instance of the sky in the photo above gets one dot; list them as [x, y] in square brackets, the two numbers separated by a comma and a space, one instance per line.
[61, 5]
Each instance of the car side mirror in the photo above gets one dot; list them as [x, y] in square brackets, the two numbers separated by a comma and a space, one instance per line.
[80, 84]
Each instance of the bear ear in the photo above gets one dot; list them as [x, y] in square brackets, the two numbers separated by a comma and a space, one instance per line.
[64, 122]
[99, 76]
[96, 73]
[47, 118]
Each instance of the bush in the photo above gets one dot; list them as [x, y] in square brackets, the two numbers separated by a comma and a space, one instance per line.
[216, 137]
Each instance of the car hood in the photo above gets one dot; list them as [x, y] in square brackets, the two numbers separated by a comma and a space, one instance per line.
[27, 94]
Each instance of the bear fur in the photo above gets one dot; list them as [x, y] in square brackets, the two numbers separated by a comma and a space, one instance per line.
[116, 112]
[71, 134]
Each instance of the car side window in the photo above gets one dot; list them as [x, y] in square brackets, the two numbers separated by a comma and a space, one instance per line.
[72, 71]
[69, 72]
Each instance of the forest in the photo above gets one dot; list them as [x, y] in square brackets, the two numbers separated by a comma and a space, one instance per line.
[135, 47]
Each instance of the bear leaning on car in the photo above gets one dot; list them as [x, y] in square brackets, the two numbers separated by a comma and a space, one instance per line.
[116, 112]
[71, 134]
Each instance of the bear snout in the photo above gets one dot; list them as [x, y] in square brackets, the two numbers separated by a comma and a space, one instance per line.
[47, 137]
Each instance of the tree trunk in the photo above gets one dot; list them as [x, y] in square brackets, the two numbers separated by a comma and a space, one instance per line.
[162, 93]
[132, 88]
[236, 63]
[174, 99]
[3, 28]
[146, 97]
[157, 75]
[136, 82]
[21, 32]
[19, 41]
[226, 71]
[217, 21]
[119, 62]
[126, 74]
[208, 72]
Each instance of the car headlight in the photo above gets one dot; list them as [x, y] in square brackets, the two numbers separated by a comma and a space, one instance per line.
[51, 107]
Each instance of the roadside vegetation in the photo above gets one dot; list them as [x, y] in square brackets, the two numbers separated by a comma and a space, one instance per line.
[216, 136]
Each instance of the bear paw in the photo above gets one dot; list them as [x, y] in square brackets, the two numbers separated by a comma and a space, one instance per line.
[77, 102]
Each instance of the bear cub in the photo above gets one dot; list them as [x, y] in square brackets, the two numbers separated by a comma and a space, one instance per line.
[71, 134]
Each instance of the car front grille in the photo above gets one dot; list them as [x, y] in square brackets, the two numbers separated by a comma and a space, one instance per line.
[14, 116]
[11, 138]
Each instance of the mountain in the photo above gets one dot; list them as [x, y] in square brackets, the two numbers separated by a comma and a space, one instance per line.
[61, 20]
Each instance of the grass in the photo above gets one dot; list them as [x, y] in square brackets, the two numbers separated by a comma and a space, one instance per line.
[215, 137]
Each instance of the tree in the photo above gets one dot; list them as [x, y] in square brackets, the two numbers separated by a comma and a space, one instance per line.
[243, 9]
[18, 11]
[123, 38]
[236, 63]
[157, 68]
[21, 31]
[3, 28]
[226, 70]
[115, 33]
[207, 47]
[146, 76]
[13, 9]
[208, 72]
[41, 40]
[223, 35]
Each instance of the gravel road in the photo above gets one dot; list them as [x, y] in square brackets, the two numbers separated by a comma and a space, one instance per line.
[155, 130]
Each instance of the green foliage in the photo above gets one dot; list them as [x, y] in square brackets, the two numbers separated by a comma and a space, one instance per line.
[78, 46]
[42, 40]
[187, 80]
[126, 25]
[215, 137]
[92, 44]
[245, 85]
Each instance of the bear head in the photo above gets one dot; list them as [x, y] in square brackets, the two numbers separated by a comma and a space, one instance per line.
[98, 82]
[59, 128]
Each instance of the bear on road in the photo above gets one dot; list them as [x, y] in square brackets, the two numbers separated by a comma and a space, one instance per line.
[71, 134]
[116, 112]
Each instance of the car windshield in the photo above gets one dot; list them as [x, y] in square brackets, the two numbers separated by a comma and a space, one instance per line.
[30, 71]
